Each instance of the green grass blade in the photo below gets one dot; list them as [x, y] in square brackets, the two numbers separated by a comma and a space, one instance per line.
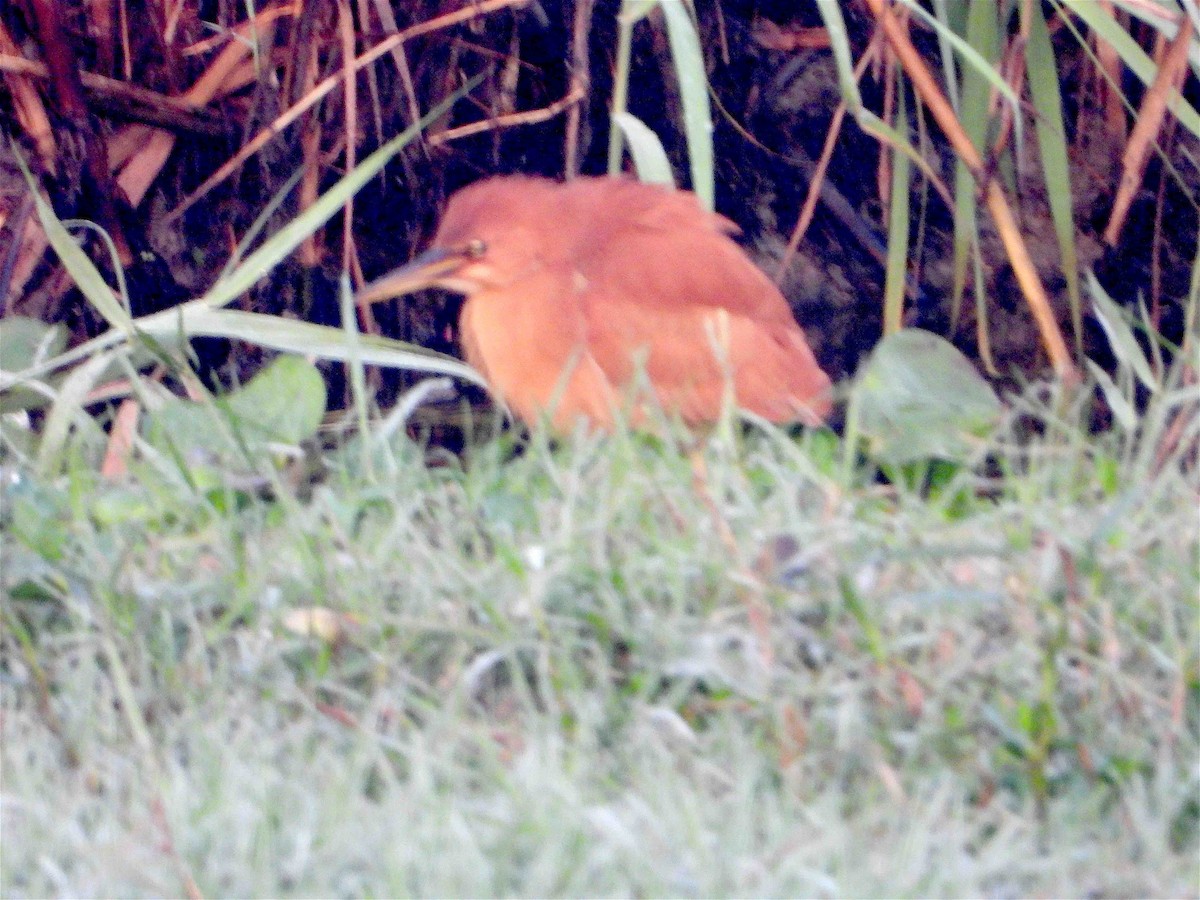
[978, 57]
[122, 291]
[693, 90]
[982, 331]
[1191, 318]
[81, 269]
[284, 241]
[294, 336]
[944, 10]
[354, 365]
[982, 32]
[873, 125]
[196, 317]
[260, 222]
[1123, 412]
[632, 12]
[1120, 336]
[839, 42]
[1139, 62]
[67, 410]
[649, 157]
[1052, 146]
[898, 227]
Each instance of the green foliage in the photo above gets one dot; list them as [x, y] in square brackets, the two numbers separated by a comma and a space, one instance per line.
[918, 398]
[282, 404]
[1134, 57]
[648, 155]
[24, 343]
[983, 106]
[1051, 128]
[591, 668]
[896, 280]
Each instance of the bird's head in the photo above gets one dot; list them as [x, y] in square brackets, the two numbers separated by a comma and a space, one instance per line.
[493, 233]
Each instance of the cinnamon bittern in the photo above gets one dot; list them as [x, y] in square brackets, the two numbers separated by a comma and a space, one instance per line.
[570, 288]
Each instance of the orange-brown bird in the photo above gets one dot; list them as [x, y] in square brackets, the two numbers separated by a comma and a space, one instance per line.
[572, 289]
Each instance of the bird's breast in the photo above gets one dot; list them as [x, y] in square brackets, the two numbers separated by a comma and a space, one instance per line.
[530, 342]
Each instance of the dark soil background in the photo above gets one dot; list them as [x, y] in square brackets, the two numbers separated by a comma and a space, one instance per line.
[772, 109]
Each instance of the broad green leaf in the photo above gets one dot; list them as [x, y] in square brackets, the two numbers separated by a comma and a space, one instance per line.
[919, 398]
[282, 404]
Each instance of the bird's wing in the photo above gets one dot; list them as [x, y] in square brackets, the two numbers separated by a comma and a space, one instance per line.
[665, 288]
[694, 357]
[664, 246]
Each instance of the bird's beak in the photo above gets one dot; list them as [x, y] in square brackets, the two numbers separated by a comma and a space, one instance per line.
[427, 270]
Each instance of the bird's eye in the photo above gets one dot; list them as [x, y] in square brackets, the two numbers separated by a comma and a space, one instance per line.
[475, 248]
